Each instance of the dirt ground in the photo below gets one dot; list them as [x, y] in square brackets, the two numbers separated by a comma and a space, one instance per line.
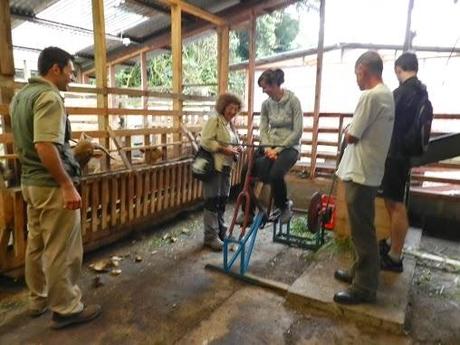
[170, 298]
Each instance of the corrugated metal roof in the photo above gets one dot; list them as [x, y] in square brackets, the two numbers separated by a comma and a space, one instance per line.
[79, 14]
[137, 19]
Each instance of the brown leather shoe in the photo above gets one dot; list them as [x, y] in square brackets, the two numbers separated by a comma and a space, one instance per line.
[37, 312]
[89, 312]
[343, 276]
[353, 296]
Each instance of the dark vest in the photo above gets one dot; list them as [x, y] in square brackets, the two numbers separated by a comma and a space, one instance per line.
[33, 172]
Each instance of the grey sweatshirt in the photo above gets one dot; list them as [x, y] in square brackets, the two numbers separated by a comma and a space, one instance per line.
[281, 123]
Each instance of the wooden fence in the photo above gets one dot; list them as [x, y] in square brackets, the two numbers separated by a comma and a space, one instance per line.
[118, 199]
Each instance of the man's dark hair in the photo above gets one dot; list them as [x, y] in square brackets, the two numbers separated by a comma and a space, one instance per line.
[272, 77]
[50, 56]
[407, 62]
[372, 61]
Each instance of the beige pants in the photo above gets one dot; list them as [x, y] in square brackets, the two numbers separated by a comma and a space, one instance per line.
[54, 251]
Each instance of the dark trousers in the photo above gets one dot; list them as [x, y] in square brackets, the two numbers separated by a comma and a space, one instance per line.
[361, 210]
[215, 192]
[273, 172]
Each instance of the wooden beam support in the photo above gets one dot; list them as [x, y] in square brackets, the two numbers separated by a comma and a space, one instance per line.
[6, 71]
[119, 148]
[223, 58]
[319, 71]
[176, 51]
[100, 53]
[194, 10]
[145, 103]
[251, 74]
[6, 57]
[144, 83]
[112, 83]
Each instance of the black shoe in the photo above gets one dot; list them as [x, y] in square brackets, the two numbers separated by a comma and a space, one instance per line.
[384, 248]
[37, 312]
[388, 264]
[343, 276]
[89, 312]
[223, 233]
[352, 296]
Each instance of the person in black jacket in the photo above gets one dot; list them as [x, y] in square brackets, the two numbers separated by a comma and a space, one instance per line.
[397, 168]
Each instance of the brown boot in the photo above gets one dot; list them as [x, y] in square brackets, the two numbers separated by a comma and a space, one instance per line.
[36, 312]
[89, 312]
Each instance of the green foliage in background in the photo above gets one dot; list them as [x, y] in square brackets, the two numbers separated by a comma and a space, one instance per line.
[276, 33]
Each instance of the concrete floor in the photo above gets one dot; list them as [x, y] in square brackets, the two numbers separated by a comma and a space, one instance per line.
[169, 298]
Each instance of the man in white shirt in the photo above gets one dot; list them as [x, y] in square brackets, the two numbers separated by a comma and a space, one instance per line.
[361, 169]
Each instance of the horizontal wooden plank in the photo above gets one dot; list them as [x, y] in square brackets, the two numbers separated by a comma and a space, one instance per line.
[424, 178]
[4, 109]
[320, 142]
[93, 134]
[320, 154]
[119, 111]
[9, 156]
[132, 148]
[85, 111]
[156, 94]
[6, 138]
[117, 91]
[143, 131]
[329, 167]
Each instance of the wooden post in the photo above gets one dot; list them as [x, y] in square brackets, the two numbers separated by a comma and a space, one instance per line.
[409, 36]
[145, 105]
[6, 71]
[222, 58]
[251, 76]
[193, 10]
[176, 51]
[112, 99]
[100, 62]
[319, 71]
[85, 78]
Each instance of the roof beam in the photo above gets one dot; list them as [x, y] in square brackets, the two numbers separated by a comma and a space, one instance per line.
[194, 10]
[163, 9]
[50, 23]
[313, 51]
[159, 8]
[234, 15]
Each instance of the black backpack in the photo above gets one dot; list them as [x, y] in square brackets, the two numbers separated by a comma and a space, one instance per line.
[416, 140]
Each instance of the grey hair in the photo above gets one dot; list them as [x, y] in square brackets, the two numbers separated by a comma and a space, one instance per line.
[372, 61]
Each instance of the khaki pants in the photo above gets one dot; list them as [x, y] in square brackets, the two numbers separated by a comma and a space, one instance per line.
[361, 209]
[54, 251]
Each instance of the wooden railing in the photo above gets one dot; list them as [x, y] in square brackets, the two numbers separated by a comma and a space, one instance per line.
[117, 199]
[113, 204]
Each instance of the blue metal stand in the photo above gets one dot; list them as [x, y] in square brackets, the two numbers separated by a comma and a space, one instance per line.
[244, 245]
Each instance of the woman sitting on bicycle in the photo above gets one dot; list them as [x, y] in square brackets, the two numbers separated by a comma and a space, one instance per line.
[281, 127]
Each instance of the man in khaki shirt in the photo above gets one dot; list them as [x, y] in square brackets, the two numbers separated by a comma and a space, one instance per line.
[54, 251]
